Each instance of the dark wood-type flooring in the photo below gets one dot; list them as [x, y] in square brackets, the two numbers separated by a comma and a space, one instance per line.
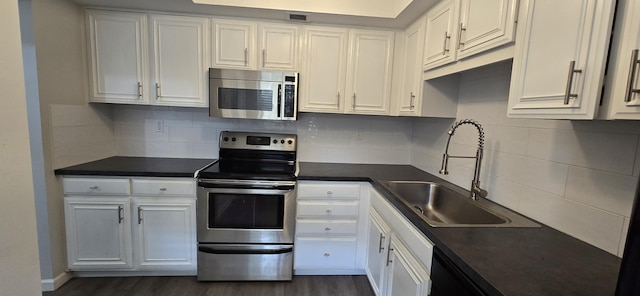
[189, 286]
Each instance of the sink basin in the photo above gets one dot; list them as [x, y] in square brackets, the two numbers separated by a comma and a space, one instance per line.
[440, 206]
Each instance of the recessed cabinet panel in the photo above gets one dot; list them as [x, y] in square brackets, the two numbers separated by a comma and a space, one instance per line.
[411, 100]
[559, 59]
[180, 60]
[407, 277]
[117, 49]
[485, 24]
[324, 70]
[279, 46]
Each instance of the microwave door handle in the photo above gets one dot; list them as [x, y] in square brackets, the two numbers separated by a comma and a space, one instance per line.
[279, 101]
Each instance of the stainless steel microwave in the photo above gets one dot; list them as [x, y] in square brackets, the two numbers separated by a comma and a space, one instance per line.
[253, 94]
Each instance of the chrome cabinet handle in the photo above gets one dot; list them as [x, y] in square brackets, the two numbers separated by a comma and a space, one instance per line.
[329, 192]
[380, 246]
[444, 45]
[139, 215]
[632, 76]
[328, 211]
[139, 89]
[158, 91]
[460, 30]
[246, 56]
[338, 96]
[327, 254]
[327, 228]
[567, 94]
[354, 101]
[163, 189]
[388, 256]
[120, 214]
[411, 100]
[263, 57]
[93, 187]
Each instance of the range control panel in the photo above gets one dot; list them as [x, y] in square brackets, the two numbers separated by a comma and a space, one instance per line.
[258, 141]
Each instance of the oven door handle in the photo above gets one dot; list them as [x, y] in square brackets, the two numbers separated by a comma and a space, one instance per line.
[210, 250]
[244, 186]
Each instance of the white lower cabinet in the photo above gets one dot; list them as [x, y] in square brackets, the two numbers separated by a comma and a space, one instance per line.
[98, 232]
[330, 228]
[399, 256]
[114, 228]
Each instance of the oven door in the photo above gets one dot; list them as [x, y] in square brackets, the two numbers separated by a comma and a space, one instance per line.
[246, 212]
[230, 98]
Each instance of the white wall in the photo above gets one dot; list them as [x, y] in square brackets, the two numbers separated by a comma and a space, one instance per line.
[576, 176]
[322, 137]
[19, 267]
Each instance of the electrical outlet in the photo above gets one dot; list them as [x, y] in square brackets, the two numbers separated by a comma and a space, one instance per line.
[359, 134]
[160, 126]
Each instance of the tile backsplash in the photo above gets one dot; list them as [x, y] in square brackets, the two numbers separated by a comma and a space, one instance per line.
[185, 132]
[576, 176]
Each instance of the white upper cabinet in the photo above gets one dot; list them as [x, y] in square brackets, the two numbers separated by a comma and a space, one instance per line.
[250, 45]
[441, 34]
[485, 24]
[234, 44]
[117, 50]
[369, 72]
[324, 65]
[279, 46]
[559, 61]
[180, 60]
[410, 101]
[622, 89]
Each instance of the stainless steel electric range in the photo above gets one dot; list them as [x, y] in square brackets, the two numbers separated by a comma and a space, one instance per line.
[246, 209]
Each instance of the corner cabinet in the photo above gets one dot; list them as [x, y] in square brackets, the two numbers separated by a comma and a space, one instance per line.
[120, 60]
[366, 87]
[622, 89]
[331, 228]
[399, 258]
[124, 225]
[559, 61]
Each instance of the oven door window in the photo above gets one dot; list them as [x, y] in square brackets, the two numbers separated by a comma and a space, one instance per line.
[246, 211]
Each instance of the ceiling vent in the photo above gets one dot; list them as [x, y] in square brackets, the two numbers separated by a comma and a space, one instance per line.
[296, 17]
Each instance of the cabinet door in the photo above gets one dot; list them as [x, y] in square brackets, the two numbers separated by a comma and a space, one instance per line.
[98, 233]
[279, 45]
[410, 101]
[234, 44]
[485, 25]
[622, 98]
[369, 71]
[441, 34]
[117, 50]
[165, 233]
[559, 58]
[407, 277]
[180, 60]
[377, 245]
[324, 67]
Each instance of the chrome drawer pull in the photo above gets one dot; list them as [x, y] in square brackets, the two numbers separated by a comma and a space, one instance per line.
[327, 228]
[327, 254]
[444, 46]
[380, 247]
[139, 215]
[632, 76]
[120, 214]
[572, 70]
[93, 187]
[163, 189]
[388, 255]
[328, 211]
[329, 192]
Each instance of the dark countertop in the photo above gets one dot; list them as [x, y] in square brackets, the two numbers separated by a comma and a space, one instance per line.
[138, 167]
[501, 261]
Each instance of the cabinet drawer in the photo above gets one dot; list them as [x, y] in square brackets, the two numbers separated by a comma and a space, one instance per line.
[327, 227]
[328, 190]
[327, 253]
[95, 186]
[327, 208]
[164, 187]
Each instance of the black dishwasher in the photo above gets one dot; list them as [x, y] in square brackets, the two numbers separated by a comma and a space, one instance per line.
[447, 279]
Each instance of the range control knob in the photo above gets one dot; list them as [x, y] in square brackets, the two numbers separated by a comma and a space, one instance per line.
[281, 141]
[233, 139]
[290, 142]
[275, 141]
[226, 139]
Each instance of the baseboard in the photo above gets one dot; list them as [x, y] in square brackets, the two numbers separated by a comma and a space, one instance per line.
[328, 271]
[55, 283]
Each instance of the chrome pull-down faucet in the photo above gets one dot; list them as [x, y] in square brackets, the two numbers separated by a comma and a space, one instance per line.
[475, 183]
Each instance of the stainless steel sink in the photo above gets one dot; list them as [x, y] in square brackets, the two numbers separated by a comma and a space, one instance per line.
[440, 206]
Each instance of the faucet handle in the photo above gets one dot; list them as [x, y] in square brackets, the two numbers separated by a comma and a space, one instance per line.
[479, 191]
